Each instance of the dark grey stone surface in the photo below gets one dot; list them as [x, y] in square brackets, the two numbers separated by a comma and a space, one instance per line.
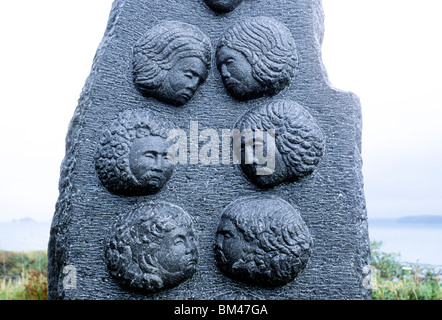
[330, 200]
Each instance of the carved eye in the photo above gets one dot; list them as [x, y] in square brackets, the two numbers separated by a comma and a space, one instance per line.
[229, 61]
[149, 155]
[226, 234]
[178, 241]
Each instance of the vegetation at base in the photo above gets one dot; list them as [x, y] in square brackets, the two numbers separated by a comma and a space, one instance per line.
[23, 277]
[401, 281]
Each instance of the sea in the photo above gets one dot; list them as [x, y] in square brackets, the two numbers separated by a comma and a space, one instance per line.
[416, 241]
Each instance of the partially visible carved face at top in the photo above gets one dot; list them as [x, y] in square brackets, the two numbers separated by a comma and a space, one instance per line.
[222, 6]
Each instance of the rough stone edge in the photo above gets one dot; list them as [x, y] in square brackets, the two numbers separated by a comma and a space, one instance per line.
[67, 189]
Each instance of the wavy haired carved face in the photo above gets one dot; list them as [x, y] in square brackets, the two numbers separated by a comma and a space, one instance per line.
[256, 57]
[171, 61]
[262, 241]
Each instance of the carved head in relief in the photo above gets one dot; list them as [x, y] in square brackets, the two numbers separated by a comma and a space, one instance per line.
[171, 61]
[298, 142]
[256, 57]
[222, 6]
[262, 242]
[132, 155]
[152, 248]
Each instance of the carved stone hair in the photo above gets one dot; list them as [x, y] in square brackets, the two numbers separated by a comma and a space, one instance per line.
[297, 136]
[133, 242]
[162, 46]
[268, 46]
[279, 242]
[112, 157]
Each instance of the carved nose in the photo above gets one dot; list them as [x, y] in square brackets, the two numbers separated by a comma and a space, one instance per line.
[158, 164]
[194, 84]
[224, 72]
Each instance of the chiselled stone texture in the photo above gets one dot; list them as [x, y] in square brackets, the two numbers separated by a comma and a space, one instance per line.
[262, 242]
[330, 200]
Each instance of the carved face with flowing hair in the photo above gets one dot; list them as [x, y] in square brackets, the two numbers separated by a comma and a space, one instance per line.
[256, 57]
[151, 248]
[299, 141]
[262, 241]
[171, 61]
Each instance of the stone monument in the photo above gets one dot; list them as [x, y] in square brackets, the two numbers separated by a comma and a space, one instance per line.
[210, 158]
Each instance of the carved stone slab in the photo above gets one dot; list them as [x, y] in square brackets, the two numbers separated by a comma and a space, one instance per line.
[158, 156]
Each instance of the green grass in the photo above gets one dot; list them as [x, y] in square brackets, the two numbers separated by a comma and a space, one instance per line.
[394, 280]
[400, 281]
[31, 286]
[23, 275]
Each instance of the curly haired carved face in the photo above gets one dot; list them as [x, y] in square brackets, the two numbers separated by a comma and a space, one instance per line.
[262, 241]
[171, 61]
[152, 248]
[132, 155]
[298, 140]
[256, 57]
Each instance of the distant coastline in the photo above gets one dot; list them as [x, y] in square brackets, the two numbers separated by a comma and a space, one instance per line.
[427, 220]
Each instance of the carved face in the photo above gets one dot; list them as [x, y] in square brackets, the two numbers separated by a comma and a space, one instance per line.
[297, 142]
[279, 173]
[152, 247]
[182, 81]
[230, 245]
[236, 73]
[262, 241]
[149, 163]
[178, 253]
[223, 5]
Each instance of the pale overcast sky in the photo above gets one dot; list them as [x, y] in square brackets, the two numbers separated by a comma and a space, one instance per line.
[386, 51]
